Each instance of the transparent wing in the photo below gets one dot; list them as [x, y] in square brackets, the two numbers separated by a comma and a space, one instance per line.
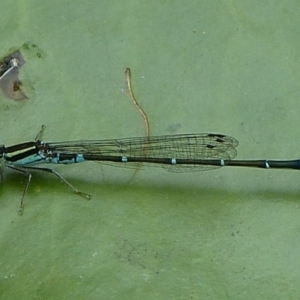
[181, 146]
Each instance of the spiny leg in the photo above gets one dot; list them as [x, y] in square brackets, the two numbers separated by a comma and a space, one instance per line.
[40, 133]
[21, 209]
[76, 191]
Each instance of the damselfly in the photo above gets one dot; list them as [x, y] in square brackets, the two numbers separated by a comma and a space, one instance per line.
[175, 153]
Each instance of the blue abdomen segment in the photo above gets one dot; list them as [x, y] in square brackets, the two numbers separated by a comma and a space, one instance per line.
[29, 160]
[64, 158]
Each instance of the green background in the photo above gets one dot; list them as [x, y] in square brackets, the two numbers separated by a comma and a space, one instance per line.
[228, 67]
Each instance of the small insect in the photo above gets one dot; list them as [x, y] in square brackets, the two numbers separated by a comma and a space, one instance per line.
[10, 84]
